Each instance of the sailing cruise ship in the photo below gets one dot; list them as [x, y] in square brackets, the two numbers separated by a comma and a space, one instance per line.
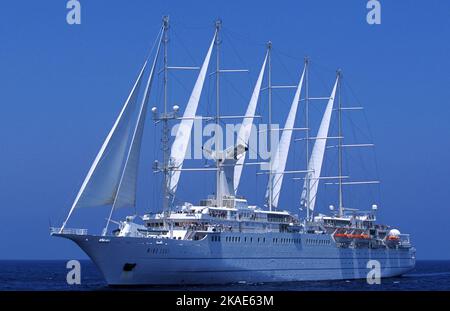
[223, 238]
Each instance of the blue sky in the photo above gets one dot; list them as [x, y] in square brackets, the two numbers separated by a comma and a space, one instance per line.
[61, 87]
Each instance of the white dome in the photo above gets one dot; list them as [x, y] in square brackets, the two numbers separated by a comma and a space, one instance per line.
[394, 232]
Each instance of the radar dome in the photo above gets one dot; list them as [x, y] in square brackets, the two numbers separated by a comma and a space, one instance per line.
[394, 232]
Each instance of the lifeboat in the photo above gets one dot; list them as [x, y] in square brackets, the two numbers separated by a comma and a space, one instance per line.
[341, 235]
[362, 236]
[352, 236]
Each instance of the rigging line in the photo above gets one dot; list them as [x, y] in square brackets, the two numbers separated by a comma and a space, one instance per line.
[358, 102]
[244, 64]
[276, 57]
[315, 74]
[325, 67]
[281, 99]
[349, 119]
[184, 46]
[370, 135]
[358, 152]
[353, 128]
[230, 43]
[154, 157]
[359, 129]
[366, 134]
[155, 42]
[190, 25]
[236, 91]
[174, 76]
[244, 38]
[281, 52]
[205, 109]
[208, 98]
[352, 159]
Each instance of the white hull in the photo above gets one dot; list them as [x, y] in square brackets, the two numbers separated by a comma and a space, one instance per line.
[153, 261]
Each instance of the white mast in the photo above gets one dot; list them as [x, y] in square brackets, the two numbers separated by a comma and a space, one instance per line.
[269, 87]
[341, 204]
[307, 133]
[165, 136]
[217, 43]
[281, 155]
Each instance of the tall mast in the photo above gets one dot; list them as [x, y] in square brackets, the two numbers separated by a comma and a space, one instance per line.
[341, 205]
[165, 136]
[307, 134]
[269, 87]
[217, 43]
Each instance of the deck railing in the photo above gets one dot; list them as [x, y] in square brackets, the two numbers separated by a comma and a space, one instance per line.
[68, 231]
[404, 240]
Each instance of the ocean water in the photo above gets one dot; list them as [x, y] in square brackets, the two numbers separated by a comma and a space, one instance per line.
[430, 275]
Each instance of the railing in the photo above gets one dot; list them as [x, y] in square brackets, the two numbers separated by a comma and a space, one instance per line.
[68, 231]
[404, 240]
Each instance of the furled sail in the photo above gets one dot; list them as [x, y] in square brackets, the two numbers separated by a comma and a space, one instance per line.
[281, 155]
[180, 145]
[316, 159]
[246, 127]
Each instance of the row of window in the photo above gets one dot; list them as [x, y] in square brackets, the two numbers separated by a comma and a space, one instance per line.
[286, 241]
[238, 239]
[161, 251]
[215, 238]
[235, 239]
[318, 242]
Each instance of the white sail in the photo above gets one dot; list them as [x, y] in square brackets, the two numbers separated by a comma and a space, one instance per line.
[180, 145]
[126, 193]
[318, 152]
[246, 127]
[100, 185]
[281, 155]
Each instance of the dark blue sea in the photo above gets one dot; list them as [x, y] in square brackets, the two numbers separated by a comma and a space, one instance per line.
[429, 275]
